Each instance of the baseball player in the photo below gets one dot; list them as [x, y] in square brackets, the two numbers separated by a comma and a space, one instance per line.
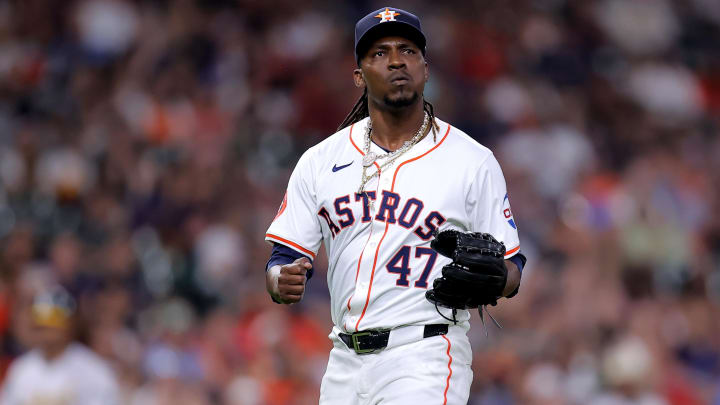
[59, 371]
[377, 193]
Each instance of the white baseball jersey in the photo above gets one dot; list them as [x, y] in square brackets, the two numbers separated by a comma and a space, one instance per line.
[380, 260]
[77, 377]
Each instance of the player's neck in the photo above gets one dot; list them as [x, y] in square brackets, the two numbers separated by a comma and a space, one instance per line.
[390, 129]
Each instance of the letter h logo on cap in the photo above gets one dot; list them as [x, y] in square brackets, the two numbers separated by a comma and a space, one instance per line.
[387, 15]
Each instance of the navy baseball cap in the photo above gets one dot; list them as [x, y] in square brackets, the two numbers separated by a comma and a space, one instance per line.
[385, 22]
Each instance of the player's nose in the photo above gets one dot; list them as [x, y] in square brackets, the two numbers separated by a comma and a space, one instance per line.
[395, 60]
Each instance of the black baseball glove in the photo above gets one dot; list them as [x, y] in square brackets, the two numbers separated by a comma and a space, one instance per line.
[477, 274]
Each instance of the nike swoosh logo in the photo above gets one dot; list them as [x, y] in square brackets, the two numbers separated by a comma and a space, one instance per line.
[336, 167]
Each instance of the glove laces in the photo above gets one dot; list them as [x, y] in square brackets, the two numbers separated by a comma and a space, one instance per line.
[482, 318]
[481, 309]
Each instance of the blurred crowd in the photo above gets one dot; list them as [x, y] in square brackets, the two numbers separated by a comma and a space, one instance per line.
[145, 146]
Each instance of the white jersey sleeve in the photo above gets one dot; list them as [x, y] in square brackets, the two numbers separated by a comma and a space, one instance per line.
[9, 396]
[489, 206]
[297, 223]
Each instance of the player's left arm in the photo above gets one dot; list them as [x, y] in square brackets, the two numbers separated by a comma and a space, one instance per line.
[513, 278]
[489, 208]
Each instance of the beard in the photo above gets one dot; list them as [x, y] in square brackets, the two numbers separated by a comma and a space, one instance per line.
[401, 100]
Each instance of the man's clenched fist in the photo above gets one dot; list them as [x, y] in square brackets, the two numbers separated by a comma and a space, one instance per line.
[286, 283]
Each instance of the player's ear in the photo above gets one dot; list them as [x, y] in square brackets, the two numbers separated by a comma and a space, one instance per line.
[358, 78]
[427, 72]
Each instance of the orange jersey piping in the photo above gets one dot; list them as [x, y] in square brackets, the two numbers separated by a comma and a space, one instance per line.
[290, 243]
[377, 250]
[447, 383]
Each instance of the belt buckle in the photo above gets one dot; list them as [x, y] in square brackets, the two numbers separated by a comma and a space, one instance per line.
[356, 345]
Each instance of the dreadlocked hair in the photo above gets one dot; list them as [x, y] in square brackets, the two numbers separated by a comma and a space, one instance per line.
[360, 111]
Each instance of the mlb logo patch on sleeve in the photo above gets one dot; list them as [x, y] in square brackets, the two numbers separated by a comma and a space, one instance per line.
[507, 212]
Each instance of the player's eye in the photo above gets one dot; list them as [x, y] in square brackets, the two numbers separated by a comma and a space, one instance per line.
[409, 51]
[379, 53]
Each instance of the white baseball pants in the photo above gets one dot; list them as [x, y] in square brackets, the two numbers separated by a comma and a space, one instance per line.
[425, 371]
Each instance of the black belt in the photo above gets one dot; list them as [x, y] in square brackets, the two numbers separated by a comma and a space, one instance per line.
[371, 341]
